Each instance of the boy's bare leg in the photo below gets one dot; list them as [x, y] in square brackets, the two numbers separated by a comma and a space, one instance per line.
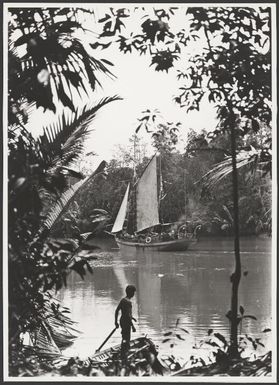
[125, 345]
[126, 336]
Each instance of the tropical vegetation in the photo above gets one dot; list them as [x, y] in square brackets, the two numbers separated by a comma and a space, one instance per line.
[192, 179]
[44, 65]
[51, 65]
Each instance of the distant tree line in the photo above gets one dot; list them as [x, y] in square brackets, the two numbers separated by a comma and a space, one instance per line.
[187, 195]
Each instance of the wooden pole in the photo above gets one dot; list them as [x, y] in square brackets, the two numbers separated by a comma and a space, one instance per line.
[106, 340]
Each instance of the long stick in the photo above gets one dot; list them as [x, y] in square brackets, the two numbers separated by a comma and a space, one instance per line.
[108, 337]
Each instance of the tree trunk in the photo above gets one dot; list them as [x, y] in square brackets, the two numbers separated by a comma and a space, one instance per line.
[235, 277]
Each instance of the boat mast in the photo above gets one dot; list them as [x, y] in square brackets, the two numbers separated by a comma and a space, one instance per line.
[185, 194]
[131, 226]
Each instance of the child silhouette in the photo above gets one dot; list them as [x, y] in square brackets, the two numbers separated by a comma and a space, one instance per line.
[126, 319]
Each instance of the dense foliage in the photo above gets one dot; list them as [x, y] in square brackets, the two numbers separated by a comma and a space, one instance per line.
[40, 169]
[48, 59]
[144, 360]
[51, 66]
[185, 194]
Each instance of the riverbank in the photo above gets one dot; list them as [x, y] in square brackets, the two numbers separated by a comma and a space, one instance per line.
[140, 363]
[239, 367]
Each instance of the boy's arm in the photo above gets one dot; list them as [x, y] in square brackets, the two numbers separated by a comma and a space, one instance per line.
[133, 327]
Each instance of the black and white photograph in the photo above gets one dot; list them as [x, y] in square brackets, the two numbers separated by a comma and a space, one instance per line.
[139, 192]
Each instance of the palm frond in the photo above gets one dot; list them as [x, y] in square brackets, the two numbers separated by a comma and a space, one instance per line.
[53, 46]
[62, 143]
[43, 341]
[52, 335]
[224, 168]
[66, 198]
[61, 335]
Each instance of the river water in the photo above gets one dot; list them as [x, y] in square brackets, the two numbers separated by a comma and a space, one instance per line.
[192, 286]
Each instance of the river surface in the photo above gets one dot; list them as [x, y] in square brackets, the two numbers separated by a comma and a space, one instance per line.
[193, 287]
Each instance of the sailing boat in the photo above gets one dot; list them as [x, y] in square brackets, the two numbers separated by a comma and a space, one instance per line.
[147, 219]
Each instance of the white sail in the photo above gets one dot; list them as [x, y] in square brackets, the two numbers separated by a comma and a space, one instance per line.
[119, 221]
[147, 198]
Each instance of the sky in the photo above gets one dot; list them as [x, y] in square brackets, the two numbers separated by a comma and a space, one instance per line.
[141, 88]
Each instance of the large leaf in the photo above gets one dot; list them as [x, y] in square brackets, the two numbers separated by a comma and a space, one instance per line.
[66, 198]
[42, 340]
[52, 45]
[62, 143]
[224, 168]
[54, 333]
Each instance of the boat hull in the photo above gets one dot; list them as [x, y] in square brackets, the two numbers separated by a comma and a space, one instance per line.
[138, 343]
[173, 245]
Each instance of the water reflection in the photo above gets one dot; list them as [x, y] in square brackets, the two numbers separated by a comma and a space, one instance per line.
[193, 286]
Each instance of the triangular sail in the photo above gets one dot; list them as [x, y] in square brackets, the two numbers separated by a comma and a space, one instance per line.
[119, 221]
[147, 197]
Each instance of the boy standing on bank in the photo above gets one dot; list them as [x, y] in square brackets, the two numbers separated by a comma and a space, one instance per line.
[126, 319]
